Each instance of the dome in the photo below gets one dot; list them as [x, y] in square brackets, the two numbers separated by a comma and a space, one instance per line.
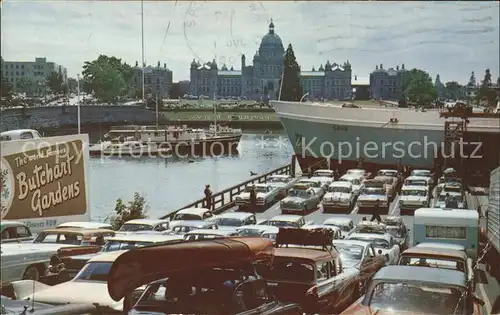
[271, 38]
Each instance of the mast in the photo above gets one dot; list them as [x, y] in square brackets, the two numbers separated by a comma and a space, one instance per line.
[142, 39]
[215, 116]
[157, 127]
[78, 101]
[281, 83]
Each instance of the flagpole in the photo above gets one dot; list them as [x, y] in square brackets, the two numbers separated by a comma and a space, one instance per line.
[78, 101]
[215, 116]
[142, 39]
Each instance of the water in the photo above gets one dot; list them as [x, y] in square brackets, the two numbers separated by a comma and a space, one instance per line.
[170, 184]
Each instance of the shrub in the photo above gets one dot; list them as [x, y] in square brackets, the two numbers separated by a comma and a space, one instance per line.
[135, 209]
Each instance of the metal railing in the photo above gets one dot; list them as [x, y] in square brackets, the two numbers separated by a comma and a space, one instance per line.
[225, 199]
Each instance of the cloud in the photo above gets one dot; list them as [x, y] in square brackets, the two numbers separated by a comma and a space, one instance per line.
[452, 39]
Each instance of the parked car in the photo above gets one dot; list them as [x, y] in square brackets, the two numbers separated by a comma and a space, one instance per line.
[326, 177]
[207, 277]
[182, 227]
[298, 274]
[392, 173]
[424, 173]
[340, 195]
[397, 228]
[281, 182]
[85, 225]
[201, 234]
[233, 220]
[316, 185]
[412, 198]
[345, 224]
[418, 181]
[336, 232]
[287, 220]
[193, 214]
[266, 231]
[371, 197]
[383, 243]
[390, 185]
[417, 290]
[266, 196]
[145, 225]
[14, 231]
[356, 182]
[358, 172]
[361, 256]
[301, 199]
[73, 236]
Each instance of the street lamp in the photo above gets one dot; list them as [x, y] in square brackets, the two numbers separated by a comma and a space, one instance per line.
[303, 96]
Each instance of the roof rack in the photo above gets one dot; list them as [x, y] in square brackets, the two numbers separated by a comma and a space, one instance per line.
[302, 237]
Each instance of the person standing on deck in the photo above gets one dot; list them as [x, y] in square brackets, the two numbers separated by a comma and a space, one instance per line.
[253, 199]
[376, 212]
[208, 197]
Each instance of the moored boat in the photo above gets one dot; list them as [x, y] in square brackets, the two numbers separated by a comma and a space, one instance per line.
[129, 148]
[379, 137]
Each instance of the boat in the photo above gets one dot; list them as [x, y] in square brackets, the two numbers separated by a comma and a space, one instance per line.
[129, 148]
[377, 137]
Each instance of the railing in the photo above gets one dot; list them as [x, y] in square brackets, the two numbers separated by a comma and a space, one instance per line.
[225, 199]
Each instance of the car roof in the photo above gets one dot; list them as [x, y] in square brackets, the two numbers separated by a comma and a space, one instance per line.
[199, 211]
[106, 256]
[135, 237]
[340, 184]
[146, 221]
[303, 253]
[421, 170]
[194, 223]
[11, 223]
[388, 170]
[84, 225]
[221, 232]
[77, 231]
[417, 178]
[258, 185]
[435, 252]
[235, 215]
[260, 227]
[355, 170]
[351, 242]
[286, 218]
[321, 226]
[338, 220]
[424, 274]
[414, 187]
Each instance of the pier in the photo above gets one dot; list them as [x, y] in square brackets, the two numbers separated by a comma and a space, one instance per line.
[224, 200]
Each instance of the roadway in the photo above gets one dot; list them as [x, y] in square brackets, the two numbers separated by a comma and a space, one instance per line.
[489, 292]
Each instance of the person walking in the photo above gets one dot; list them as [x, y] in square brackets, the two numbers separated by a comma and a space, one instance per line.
[208, 197]
[376, 212]
[253, 199]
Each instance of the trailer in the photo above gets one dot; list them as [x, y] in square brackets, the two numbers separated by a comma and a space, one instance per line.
[493, 225]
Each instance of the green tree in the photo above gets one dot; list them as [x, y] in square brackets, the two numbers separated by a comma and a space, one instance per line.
[109, 78]
[6, 87]
[175, 91]
[417, 87]
[55, 82]
[72, 85]
[486, 92]
[134, 209]
[292, 88]
[454, 90]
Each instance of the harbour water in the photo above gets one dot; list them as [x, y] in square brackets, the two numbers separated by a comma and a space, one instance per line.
[168, 184]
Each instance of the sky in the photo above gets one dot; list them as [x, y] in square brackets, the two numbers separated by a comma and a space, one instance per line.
[447, 38]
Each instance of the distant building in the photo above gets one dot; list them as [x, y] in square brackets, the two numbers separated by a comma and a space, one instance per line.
[261, 79]
[385, 84]
[184, 87]
[360, 87]
[157, 80]
[30, 76]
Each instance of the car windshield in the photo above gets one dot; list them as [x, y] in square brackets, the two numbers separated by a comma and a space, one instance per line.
[249, 232]
[349, 251]
[322, 174]
[277, 180]
[373, 191]
[229, 222]
[442, 197]
[59, 238]
[94, 271]
[414, 192]
[186, 216]
[283, 223]
[395, 231]
[298, 193]
[416, 298]
[415, 182]
[213, 291]
[112, 245]
[377, 242]
[131, 227]
[340, 190]
[433, 262]
[287, 269]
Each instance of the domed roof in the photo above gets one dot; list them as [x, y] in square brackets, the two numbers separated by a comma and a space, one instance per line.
[271, 38]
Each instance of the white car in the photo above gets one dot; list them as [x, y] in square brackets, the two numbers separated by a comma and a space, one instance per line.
[414, 197]
[193, 214]
[340, 195]
[337, 233]
[314, 184]
[202, 234]
[15, 231]
[326, 177]
[233, 220]
[371, 197]
[287, 220]
[441, 200]
[417, 181]
[383, 243]
[182, 227]
[266, 231]
[358, 172]
[356, 182]
[345, 224]
[84, 225]
[89, 286]
[281, 182]
[423, 173]
[266, 195]
[145, 225]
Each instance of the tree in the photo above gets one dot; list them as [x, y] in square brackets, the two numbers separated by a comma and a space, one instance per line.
[486, 92]
[55, 82]
[109, 78]
[440, 87]
[72, 85]
[292, 88]
[175, 91]
[418, 88]
[135, 209]
[6, 87]
[454, 90]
